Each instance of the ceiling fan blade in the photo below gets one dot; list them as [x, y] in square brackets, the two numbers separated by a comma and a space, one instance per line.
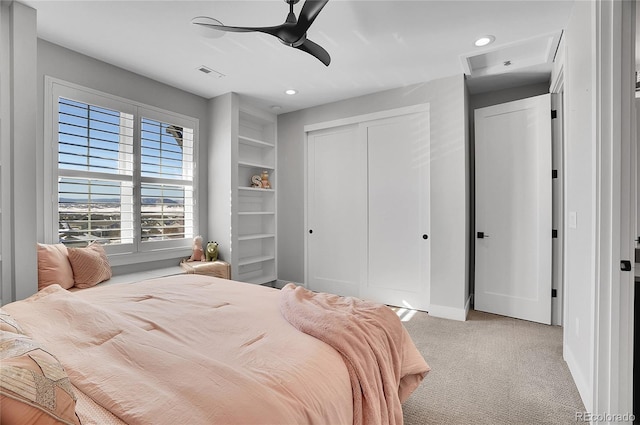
[316, 50]
[309, 13]
[267, 30]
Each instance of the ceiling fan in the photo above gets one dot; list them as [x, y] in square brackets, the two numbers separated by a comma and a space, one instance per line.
[293, 32]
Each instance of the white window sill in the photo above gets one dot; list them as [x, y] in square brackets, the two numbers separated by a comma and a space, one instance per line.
[122, 259]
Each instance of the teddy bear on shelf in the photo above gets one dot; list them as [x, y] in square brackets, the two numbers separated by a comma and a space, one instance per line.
[212, 251]
[198, 251]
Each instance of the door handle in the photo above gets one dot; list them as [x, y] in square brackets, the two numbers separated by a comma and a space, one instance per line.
[482, 235]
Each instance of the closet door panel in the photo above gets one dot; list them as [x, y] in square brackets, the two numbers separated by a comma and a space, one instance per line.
[335, 211]
[398, 211]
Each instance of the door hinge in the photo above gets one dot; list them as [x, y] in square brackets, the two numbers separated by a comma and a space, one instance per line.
[554, 174]
[554, 233]
[554, 293]
[554, 114]
[625, 265]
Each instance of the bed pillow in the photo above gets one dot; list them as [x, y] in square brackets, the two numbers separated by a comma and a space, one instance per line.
[53, 266]
[8, 323]
[90, 265]
[34, 387]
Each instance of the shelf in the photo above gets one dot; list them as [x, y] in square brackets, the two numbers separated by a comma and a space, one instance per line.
[257, 277]
[256, 213]
[255, 189]
[254, 260]
[255, 165]
[255, 142]
[256, 226]
[256, 236]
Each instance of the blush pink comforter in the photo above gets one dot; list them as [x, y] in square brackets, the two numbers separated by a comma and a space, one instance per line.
[189, 349]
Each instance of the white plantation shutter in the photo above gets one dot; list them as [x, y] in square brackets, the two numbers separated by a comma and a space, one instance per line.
[124, 173]
[95, 174]
[166, 181]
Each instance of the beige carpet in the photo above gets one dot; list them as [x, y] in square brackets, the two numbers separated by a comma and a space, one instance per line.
[491, 370]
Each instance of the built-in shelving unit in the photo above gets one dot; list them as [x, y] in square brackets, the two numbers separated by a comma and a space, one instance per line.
[255, 252]
[243, 218]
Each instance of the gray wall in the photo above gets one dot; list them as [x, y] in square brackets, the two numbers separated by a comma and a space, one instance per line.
[449, 181]
[58, 62]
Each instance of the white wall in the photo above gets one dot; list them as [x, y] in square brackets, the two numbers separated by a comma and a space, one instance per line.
[449, 183]
[223, 118]
[19, 277]
[579, 199]
[5, 116]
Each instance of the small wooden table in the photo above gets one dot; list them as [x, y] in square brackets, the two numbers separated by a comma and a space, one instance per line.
[220, 269]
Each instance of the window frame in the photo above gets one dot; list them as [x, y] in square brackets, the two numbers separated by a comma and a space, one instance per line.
[126, 253]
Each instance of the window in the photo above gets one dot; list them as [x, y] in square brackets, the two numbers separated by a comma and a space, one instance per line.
[125, 173]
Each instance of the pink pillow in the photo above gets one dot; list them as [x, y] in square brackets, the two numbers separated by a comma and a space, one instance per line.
[53, 266]
[90, 265]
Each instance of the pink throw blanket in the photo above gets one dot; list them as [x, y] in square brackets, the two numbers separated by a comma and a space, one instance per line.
[383, 363]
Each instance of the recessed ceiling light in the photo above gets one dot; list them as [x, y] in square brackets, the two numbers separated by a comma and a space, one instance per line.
[484, 40]
[291, 92]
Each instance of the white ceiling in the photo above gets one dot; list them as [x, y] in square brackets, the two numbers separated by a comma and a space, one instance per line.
[374, 45]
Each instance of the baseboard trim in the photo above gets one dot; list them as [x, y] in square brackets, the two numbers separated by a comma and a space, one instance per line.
[452, 313]
[467, 307]
[582, 384]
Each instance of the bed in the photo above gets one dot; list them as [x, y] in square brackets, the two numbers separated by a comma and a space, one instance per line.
[203, 350]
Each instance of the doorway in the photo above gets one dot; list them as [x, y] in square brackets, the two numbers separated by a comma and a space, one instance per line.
[513, 249]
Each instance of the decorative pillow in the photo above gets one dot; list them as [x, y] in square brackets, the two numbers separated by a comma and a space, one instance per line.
[8, 323]
[90, 265]
[53, 266]
[34, 387]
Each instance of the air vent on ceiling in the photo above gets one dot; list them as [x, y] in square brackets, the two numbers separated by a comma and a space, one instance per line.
[209, 71]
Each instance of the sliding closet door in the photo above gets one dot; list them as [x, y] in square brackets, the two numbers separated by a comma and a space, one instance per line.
[336, 190]
[398, 259]
[367, 209]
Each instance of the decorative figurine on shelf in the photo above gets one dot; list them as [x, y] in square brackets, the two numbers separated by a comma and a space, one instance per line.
[265, 180]
[198, 252]
[212, 251]
[256, 181]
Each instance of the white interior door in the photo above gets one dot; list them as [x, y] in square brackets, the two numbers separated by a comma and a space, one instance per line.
[398, 211]
[336, 225]
[513, 209]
